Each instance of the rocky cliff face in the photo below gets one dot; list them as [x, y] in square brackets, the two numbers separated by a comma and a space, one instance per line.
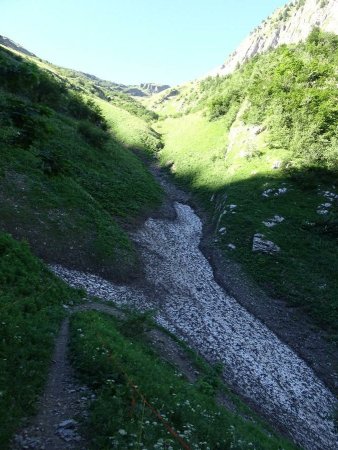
[287, 25]
[152, 88]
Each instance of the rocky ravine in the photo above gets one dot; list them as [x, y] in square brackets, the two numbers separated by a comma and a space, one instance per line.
[180, 286]
[288, 25]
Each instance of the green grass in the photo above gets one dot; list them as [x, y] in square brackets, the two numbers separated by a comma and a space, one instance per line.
[67, 184]
[112, 363]
[31, 300]
[130, 130]
[193, 142]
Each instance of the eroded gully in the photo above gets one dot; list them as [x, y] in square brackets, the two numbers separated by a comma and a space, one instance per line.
[180, 286]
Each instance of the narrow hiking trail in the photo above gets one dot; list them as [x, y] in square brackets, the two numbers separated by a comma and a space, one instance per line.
[61, 408]
[179, 285]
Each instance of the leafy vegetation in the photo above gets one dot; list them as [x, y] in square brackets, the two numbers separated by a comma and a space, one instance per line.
[270, 125]
[23, 78]
[137, 391]
[31, 300]
[292, 90]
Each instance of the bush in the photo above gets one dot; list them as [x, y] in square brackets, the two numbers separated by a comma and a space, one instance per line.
[28, 119]
[53, 162]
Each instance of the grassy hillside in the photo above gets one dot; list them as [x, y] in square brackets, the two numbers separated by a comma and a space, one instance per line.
[67, 184]
[265, 139]
[86, 84]
[173, 101]
[114, 93]
[130, 130]
[31, 300]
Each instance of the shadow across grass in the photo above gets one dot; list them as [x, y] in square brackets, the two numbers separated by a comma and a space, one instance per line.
[304, 271]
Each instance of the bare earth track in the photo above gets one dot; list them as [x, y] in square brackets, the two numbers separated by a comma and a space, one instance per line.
[61, 407]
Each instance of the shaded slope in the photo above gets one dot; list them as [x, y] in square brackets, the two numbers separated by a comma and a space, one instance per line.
[67, 184]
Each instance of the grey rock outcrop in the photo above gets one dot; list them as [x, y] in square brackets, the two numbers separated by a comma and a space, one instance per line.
[288, 25]
[262, 245]
[136, 92]
[275, 220]
[152, 88]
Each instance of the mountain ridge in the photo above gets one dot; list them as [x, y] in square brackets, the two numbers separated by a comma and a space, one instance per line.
[140, 90]
[14, 46]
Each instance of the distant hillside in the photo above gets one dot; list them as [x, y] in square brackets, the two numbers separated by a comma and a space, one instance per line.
[14, 46]
[153, 88]
[287, 25]
[102, 88]
[142, 90]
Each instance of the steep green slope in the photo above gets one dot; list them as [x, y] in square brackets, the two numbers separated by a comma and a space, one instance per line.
[130, 130]
[265, 141]
[68, 185]
[31, 300]
[66, 182]
[86, 84]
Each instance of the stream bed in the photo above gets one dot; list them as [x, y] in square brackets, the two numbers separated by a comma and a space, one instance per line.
[180, 286]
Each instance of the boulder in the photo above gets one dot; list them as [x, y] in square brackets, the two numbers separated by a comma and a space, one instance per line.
[273, 221]
[262, 245]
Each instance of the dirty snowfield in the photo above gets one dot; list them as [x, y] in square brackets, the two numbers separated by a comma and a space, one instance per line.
[191, 304]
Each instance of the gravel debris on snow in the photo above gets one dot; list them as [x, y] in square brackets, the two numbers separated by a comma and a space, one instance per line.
[193, 306]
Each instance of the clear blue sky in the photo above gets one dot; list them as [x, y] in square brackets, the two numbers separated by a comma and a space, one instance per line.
[133, 41]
